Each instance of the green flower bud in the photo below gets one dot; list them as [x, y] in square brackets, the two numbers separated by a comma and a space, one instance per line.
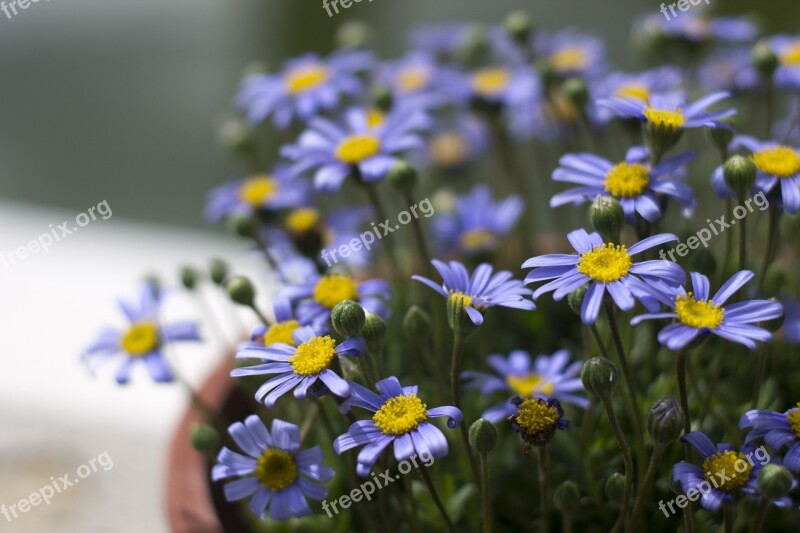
[566, 497]
[740, 174]
[236, 135]
[402, 177]
[188, 277]
[547, 74]
[774, 482]
[417, 323]
[255, 68]
[348, 318]
[205, 439]
[241, 291]
[519, 26]
[764, 59]
[599, 377]
[721, 137]
[476, 45]
[665, 421]
[243, 225]
[575, 299]
[577, 91]
[374, 333]
[607, 218]
[457, 317]
[381, 98]
[482, 436]
[615, 487]
[660, 138]
[354, 34]
[218, 270]
[703, 261]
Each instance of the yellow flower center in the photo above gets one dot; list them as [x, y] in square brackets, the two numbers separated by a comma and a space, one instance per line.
[448, 149]
[528, 384]
[140, 339]
[568, 59]
[791, 56]
[460, 297]
[276, 469]
[258, 190]
[490, 81]
[400, 414]
[724, 464]
[356, 148]
[535, 416]
[606, 263]
[793, 416]
[476, 238]
[636, 91]
[412, 80]
[302, 220]
[375, 118]
[305, 78]
[779, 161]
[281, 332]
[313, 356]
[334, 288]
[698, 313]
[671, 119]
[627, 181]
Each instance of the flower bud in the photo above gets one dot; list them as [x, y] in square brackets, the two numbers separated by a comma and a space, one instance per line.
[241, 291]
[218, 270]
[665, 421]
[482, 436]
[353, 34]
[402, 177]
[607, 218]
[476, 45]
[457, 317]
[348, 319]
[599, 377]
[417, 323]
[243, 225]
[205, 439]
[764, 59]
[374, 333]
[740, 174]
[615, 487]
[256, 68]
[519, 26]
[381, 98]
[236, 135]
[575, 299]
[577, 91]
[660, 138]
[703, 261]
[721, 137]
[566, 497]
[188, 277]
[774, 482]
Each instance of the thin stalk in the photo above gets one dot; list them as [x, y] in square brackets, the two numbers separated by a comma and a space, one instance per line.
[628, 460]
[761, 515]
[485, 499]
[412, 504]
[599, 341]
[728, 511]
[742, 239]
[259, 314]
[437, 500]
[419, 238]
[455, 391]
[762, 367]
[687, 426]
[644, 489]
[772, 241]
[545, 502]
[381, 212]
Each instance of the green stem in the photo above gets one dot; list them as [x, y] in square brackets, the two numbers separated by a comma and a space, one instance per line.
[742, 238]
[599, 341]
[772, 241]
[437, 500]
[687, 426]
[455, 391]
[412, 504]
[259, 314]
[628, 460]
[375, 200]
[645, 487]
[487, 511]
[762, 367]
[728, 512]
[761, 515]
[545, 502]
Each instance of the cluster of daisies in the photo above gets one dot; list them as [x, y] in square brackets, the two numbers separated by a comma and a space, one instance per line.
[461, 104]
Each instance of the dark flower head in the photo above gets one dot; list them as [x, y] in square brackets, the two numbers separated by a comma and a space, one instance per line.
[537, 420]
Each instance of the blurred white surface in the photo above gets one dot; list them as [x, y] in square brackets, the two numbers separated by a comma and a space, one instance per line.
[55, 416]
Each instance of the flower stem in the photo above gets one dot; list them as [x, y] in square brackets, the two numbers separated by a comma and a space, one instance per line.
[762, 367]
[628, 460]
[455, 391]
[644, 488]
[761, 515]
[772, 241]
[687, 426]
[728, 512]
[742, 239]
[543, 488]
[599, 341]
[437, 500]
[487, 511]
[259, 314]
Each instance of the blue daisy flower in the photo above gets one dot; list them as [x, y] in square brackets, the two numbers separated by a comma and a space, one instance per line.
[604, 267]
[263, 192]
[638, 85]
[480, 291]
[537, 420]
[457, 141]
[442, 40]
[364, 144]
[724, 474]
[778, 430]
[729, 69]
[319, 294]
[571, 53]
[478, 222]
[698, 27]
[143, 341]
[273, 469]
[401, 419]
[787, 49]
[670, 111]
[698, 314]
[418, 81]
[279, 331]
[548, 376]
[299, 366]
[306, 86]
[791, 323]
[634, 182]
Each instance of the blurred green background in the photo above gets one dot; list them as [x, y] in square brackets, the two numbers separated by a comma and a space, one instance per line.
[121, 100]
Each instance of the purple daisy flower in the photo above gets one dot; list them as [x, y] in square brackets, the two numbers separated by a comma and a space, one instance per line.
[779, 430]
[634, 182]
[143, 341]
[728, 69]
[546, 377]
[478, 222]
[418, 81]
[273, 469]
[299, 366]
[571, 53]
[670, 111]
[480, 291]
[263, 192]
[318, 295]
[639, 86]
[699, 314]
[605, 267]
[776, 164]
[787, 49]
[791, 324]
[401, 419]
[698, 27]
[364, 145]
[305, 86]
[279, 331]
[457, 142]
[725, 472]
[442, 40]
